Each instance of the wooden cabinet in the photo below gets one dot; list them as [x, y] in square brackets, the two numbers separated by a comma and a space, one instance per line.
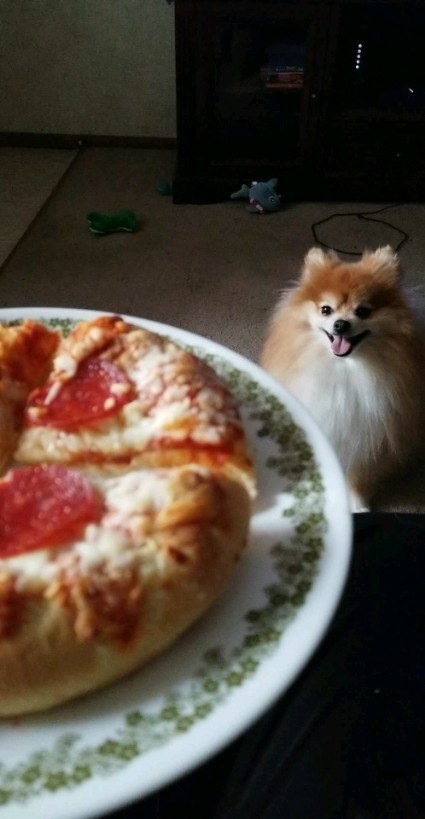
[326, 95]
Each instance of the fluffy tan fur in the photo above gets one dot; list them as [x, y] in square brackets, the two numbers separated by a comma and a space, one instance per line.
[346, 342]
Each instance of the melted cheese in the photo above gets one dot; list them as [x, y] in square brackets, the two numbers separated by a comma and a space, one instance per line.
[165, 407]
[131, 501]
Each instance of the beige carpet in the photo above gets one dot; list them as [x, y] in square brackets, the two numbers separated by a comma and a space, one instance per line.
[27, 178]
[214, 269]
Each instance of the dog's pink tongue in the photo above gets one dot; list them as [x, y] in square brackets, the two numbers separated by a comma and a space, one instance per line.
[341, 345]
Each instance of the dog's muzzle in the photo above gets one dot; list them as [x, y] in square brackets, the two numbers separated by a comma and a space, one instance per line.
[341, 343]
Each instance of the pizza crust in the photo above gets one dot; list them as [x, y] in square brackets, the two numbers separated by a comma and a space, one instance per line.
[26, 356]
[77, 617]
[49, 661]
[8, 433]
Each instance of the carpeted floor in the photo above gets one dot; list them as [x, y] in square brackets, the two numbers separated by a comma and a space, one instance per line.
[213, 269]
[27, 178]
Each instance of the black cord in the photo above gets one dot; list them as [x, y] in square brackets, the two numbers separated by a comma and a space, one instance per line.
[362, 215]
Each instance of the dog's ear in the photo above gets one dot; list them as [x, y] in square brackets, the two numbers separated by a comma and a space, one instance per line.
[316, 259]
[383, 260]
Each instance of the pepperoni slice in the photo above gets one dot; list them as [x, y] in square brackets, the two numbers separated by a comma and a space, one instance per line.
[44, 505]
[97, 390]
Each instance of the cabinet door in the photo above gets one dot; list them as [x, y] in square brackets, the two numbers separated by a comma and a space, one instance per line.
[249, 106]
[375, 127]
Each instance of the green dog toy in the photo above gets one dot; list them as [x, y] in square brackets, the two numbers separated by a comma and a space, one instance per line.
[102, 223]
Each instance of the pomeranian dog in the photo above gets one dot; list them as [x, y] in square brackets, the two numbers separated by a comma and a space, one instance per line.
[346, 342]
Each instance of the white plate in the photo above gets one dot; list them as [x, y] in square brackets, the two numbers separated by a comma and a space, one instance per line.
[102, 752]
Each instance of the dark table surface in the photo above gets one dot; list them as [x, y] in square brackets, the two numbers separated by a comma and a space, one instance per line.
[347, 740]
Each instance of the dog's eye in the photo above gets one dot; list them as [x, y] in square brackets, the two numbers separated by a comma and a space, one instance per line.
[362, 311]
[326, 310]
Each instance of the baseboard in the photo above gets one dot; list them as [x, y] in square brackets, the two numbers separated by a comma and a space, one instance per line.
[73, 141]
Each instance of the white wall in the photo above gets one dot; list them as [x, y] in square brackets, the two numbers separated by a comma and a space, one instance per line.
[87, 67]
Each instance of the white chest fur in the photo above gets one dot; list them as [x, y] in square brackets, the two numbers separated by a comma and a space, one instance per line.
[353, 404]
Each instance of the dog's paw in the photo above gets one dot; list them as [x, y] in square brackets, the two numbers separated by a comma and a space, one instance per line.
[357, 502]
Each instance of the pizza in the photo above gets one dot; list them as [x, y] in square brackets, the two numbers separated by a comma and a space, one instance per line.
[125, 501]
[26, 353]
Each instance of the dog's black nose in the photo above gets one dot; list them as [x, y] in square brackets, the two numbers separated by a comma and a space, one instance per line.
[341, 327]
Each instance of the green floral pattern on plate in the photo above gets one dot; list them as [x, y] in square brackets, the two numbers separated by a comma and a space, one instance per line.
[68, 763]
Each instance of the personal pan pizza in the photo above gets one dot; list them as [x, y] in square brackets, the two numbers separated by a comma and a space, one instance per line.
[125, 501]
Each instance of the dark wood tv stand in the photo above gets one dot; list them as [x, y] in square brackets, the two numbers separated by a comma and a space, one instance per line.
[326, 95]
